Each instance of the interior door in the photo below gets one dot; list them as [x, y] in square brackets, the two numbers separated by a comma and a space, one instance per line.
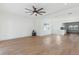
[47, 29]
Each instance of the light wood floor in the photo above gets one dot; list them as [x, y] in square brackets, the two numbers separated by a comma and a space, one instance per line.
[45, 45]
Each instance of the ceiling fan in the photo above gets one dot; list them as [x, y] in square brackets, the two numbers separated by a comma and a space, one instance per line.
[35, 11]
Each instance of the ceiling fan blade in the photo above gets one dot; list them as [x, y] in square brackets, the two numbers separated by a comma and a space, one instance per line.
[33, 7]
[32, 13]
[42, 12]
[28, 9]
[40, 9]
[27, 12]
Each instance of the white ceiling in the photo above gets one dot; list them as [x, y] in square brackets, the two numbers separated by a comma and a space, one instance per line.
[52, 9]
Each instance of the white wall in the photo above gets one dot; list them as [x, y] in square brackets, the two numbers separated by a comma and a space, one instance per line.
[55, 24]
[41, 28]
[14, 26]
